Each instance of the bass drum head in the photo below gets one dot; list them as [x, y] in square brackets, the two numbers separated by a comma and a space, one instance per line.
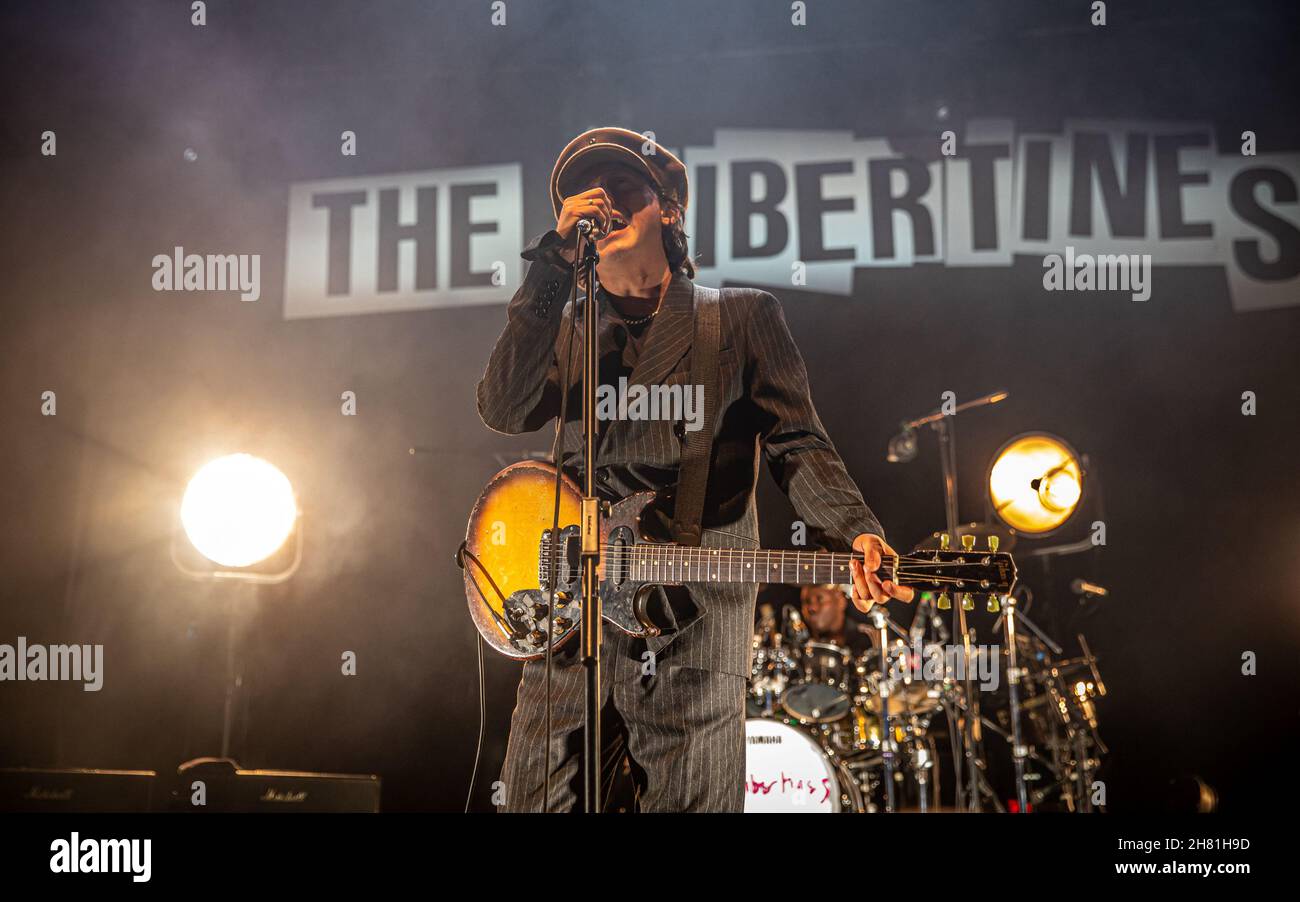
[787, 771]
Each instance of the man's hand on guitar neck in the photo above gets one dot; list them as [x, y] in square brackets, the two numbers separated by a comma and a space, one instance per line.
[868, 588]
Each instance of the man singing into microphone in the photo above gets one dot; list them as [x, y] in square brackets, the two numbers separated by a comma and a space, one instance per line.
[673, 704]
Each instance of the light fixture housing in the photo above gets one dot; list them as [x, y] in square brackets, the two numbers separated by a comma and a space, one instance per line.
[238, 510]
[1035, 483]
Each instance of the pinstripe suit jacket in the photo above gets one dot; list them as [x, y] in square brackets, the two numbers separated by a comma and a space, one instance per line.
[763, 404]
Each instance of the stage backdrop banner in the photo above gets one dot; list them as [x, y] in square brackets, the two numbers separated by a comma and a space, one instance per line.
[408, 241]
[804, 208]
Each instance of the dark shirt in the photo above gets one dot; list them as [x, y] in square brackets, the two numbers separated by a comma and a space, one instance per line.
[620, 349]
[620, 345]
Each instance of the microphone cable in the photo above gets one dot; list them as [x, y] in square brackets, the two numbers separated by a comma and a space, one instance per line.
[482, 720]
[557, 453]
[462, 552]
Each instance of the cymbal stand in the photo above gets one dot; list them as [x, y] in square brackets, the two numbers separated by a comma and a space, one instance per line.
[1018, 748]
[922, 762]
[948, 458]
[887, 744]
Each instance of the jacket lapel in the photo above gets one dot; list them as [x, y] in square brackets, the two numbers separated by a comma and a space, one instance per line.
[670, 334]
[668, 340]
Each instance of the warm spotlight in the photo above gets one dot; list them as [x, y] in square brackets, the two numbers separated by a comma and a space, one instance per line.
[1035, 483]
[238, 510]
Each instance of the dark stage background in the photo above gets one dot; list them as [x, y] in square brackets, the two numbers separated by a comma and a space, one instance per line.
[1200, 501]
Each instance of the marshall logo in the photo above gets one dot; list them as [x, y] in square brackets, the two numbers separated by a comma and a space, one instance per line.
[40, 793]
[292, 798]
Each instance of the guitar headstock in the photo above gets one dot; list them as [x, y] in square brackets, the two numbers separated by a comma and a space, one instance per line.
[958, 573]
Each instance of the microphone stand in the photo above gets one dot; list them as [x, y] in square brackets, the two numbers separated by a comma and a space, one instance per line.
[902, 449]
[1018, 748]
[1012, 617]
[887, 746]
[585, 259]
[948, 459]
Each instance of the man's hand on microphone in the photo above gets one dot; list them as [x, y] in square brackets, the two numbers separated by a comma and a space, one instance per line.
[593, 204]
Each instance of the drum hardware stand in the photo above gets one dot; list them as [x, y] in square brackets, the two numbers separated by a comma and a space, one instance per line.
[1081, 772]
[1018, 749]
[948, 458]
[921, 764]
[587, 258]
[1022, 619]
[1062, 766]
[1030, 754]
[1010, 616]
[956, 709]
[887, 744]
[1085, 744]
[902, 448]
[1070, 752]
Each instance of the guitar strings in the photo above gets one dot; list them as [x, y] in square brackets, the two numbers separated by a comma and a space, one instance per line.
[649, 559]
[697, 554]
[710, 563]
[895, 571]
[639, 554]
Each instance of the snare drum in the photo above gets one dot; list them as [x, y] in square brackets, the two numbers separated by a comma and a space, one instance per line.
[823, 694]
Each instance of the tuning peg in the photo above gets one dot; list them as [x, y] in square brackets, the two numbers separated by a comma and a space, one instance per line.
[994, 541]
[943, 541]
[967, 601]
[994, 605]
[945, 602]
[967, 542]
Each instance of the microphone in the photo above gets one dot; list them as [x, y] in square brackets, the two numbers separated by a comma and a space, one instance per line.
[1083, 587]
[902, 447]
[589, 227]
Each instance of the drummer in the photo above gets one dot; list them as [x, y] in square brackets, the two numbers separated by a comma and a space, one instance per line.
[825, 613]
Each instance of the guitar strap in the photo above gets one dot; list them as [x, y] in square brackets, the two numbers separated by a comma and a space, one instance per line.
[697, 450]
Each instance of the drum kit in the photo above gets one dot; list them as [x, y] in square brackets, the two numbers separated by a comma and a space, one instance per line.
[830, 729]
[924, 718]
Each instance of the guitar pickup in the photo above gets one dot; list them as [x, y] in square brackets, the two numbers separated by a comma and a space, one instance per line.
[568, 573]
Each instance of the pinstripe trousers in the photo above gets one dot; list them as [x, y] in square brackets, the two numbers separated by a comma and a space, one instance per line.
[682, 728]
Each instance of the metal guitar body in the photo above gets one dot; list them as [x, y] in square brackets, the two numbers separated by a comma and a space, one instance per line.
[506, 559]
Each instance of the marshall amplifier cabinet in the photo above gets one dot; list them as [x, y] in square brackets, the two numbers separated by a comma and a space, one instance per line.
[77, 790]
[215, 785]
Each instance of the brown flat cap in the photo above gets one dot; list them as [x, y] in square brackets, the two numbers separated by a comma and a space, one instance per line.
[616, 145]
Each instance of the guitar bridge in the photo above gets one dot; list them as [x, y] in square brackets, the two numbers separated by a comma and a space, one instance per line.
[568, 572]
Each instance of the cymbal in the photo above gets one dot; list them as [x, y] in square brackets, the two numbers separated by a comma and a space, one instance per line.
[981, 531]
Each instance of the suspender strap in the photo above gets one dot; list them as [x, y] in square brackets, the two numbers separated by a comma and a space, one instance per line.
[697, 452]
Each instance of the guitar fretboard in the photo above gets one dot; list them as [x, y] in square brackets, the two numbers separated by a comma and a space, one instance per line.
[677, 564]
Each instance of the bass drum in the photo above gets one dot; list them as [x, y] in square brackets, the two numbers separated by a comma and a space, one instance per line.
[786, 770]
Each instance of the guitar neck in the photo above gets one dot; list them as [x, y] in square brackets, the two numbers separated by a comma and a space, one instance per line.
[679, 564]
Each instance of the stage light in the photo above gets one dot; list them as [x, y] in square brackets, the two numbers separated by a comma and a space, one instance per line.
[238, 510]
[1035, 483]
